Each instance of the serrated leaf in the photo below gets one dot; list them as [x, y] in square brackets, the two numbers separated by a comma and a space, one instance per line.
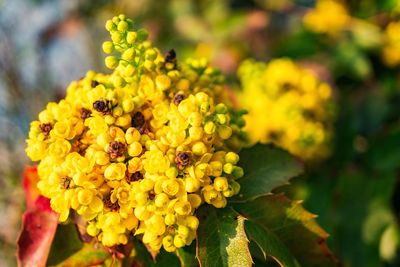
[221, 239]
[295, 227]
[269, 244]
[265, 168]
[187, 256]
[90, 255]
[39, 224]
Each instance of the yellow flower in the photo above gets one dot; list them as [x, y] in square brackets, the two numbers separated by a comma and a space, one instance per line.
[155, 162]
[391, 48]
[132, 151]
[122, 194]
[59, 148]
[170, 187]
[36, 150]
[288, 106]
[329, 16]
[115, 171]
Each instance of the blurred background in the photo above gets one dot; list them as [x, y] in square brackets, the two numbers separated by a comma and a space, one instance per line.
[352, 45]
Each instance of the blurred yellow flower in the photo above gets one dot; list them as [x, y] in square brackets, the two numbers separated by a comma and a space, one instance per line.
[391, 46]
[287, 106]
[328, 16]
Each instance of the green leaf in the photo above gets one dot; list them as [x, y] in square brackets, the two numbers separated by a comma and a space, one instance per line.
[351, 62]
[295, 227]
[143, 257]
[187, 256]
[265, 168]
[221, 239]
[90, 255]
[166, 259]
[66, 242]
[269, 244]
[298, 45]
[356, 223]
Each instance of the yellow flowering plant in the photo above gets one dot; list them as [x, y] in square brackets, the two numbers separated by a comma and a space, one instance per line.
[146, 159]
[354, 39]
[391, 44]
[329, 17]
[288, 106]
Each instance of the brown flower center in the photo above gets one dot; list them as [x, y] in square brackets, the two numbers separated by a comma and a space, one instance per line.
[136, 176]
[116, 149]
[85, 113]
[178, 99]
[182, 159]
[65, 182]
[94, 83]
[78, 146]
[109, 204]
[102, 106]
[170, 57]
[45, 128]
[152, 195]
[138, 121]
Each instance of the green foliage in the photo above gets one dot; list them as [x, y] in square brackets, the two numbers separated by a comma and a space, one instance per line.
[266, 168]
[187, 256]
[66, 242]
[353, 192]
[269, 244]
[384, 154]
[281, 229]
[295, 227]
[221, 239]
[91, 254]
[261, 227]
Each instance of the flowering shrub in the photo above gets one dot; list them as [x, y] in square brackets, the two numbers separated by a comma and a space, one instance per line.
[332, 19]
[131, 156]
[288, 106]
[352, 45]
[140, 149]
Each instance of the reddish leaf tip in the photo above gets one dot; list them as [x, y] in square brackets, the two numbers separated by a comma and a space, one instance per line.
[39, 224]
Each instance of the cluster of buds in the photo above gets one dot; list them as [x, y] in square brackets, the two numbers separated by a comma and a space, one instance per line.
[137, 151]
[288, 106]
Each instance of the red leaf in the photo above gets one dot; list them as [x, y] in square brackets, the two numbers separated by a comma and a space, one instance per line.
[29, 181]
[39, 224]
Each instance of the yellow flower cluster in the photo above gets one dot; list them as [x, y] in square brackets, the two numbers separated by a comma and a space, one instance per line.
[391, 46]
[328, 16]
[139, 150]
[287, 106]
